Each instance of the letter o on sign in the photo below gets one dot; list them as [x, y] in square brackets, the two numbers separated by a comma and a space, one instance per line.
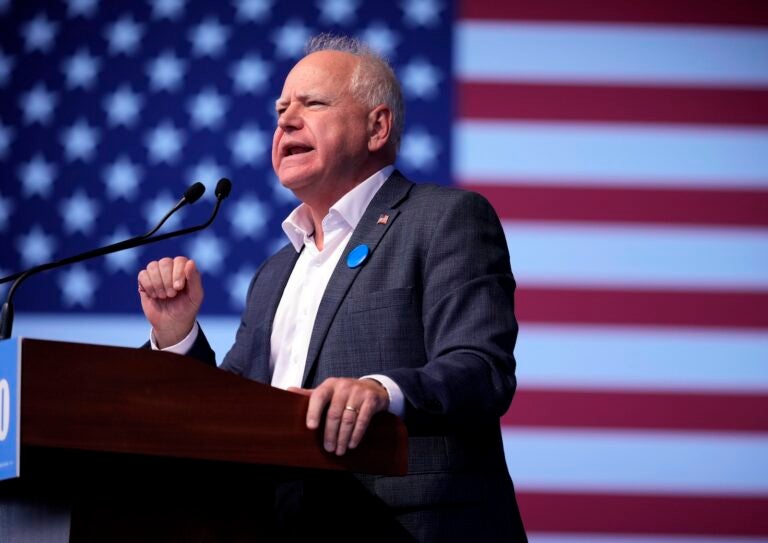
[5, 408]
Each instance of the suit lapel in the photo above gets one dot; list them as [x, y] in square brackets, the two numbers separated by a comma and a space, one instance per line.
[368, 232]
[280, 269]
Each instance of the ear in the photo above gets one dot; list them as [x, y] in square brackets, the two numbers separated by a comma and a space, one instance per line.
[379, 127]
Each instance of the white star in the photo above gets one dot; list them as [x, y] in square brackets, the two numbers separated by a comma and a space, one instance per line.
[290, 38]
[155, 209]
[340, 12]
[253, 10]
[248, 216]
[208, 172]
[37, 176]
[250, 74]
[79, 141]
[209, 38]
[35, 247]
[249, 144]
[124, 35]
[381, 39]
[39, 33]
[38, 105]
[125, 261]
[208, 251]
[123, 106]
[80, 69]
[419, 150]
[6, 136]
[167, 9]
[78, 286]
[122, 178]
[238, 286]
[79, 213]
[6, 65]
[86, 8]
[165, 72]
[6, 208]
[207, 109]
[420, 79]
[164, 143]
[421, 12]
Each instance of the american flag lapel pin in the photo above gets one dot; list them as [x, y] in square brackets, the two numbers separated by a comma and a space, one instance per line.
[383, 218]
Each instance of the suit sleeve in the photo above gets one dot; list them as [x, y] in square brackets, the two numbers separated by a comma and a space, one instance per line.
[236, 359]
[468, 318]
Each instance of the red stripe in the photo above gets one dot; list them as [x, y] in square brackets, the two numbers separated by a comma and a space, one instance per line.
[610, 513]
[643, 307]
[741, 12]
[646, 410]
[625, 205]
[612, 103]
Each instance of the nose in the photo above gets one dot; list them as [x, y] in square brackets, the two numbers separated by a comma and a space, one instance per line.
[290, 118]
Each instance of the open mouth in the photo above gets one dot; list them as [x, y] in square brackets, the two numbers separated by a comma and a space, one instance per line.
[296, 150]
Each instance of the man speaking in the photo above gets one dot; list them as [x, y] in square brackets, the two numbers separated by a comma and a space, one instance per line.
[388, 296]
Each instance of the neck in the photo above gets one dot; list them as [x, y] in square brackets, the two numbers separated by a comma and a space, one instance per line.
[319, 204]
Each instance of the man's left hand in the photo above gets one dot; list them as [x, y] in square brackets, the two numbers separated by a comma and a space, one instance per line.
[351, 404]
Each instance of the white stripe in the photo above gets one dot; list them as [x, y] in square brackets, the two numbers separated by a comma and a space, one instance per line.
[589, 255]
[548, 356]
[592, 357]
[545, 537]
[580, 52]
[720, 464]
[115, 329]
[657, 155]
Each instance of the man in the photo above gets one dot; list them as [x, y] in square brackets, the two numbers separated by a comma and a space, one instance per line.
[389, 296]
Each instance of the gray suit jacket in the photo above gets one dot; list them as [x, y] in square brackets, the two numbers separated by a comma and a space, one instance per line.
[432, 308]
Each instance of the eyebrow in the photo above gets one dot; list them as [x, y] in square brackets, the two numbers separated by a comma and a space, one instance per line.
[302, 98]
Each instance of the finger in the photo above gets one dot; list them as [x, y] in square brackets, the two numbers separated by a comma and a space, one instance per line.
[165, 265]
[376, 399]
[179, 277]
[336, 416]
[145, 285]
[156, 280]
[348, 424]
[193, 282]
[317, 402]
[364, 416]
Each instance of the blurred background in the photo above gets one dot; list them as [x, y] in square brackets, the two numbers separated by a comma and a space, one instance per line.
[624, 145]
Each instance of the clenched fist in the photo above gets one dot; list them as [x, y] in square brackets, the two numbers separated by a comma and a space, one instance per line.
[171, 293]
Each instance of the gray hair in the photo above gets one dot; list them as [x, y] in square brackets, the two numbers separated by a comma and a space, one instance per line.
[373, 83]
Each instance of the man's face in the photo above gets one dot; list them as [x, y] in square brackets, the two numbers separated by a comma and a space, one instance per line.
[320, 142]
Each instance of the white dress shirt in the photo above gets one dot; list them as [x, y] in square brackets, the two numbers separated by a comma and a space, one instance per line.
[295, 316]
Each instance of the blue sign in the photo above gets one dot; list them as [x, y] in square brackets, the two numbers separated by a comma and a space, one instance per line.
[10, 365]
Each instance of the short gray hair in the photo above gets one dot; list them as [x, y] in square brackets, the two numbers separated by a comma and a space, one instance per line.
[373, 83]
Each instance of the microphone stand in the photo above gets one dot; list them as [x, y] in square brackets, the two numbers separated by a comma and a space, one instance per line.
[6, 313]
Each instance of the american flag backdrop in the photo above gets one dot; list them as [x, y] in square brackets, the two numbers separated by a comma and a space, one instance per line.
[624, 145]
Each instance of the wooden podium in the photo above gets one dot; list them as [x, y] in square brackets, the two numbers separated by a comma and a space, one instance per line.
[112, 437]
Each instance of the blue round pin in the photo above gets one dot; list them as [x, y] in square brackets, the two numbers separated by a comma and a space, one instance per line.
[357, 256]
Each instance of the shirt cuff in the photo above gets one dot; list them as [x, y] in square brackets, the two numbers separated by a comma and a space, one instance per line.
[396, 398]
[182, 347]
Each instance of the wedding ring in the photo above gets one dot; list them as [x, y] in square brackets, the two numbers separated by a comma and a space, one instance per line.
[350, 408]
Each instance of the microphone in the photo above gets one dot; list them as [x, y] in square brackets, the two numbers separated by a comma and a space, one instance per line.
[191, 195]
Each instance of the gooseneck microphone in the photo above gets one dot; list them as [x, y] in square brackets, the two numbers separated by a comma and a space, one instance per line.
[191, 195]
